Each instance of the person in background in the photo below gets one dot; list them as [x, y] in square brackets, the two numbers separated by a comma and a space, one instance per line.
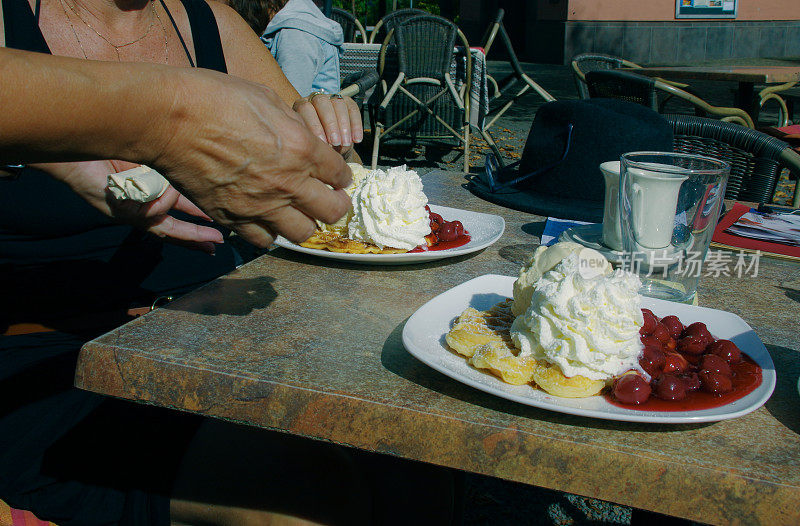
[255, 12]
[305, 43]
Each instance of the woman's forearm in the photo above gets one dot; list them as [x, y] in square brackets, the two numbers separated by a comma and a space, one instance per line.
[57, 108]
[232, 146]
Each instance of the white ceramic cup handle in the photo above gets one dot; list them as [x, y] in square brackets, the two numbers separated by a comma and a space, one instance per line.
[637, 205]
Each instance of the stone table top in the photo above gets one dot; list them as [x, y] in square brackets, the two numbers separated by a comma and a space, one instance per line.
[312, 347]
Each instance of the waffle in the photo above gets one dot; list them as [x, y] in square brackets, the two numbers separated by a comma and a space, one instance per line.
[336, 242]
[483, 337]
[551, 379]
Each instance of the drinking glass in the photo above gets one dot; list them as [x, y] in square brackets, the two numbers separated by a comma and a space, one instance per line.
[669, 206]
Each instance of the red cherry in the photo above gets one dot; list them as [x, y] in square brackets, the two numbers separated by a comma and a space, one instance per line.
[693, 359]
[669, 387]
[650, 322]
[650, 341]
[747, 368]
[673, 325]
[725, 349]
[698, 329]
[674, 363]
[691, 381]
[652, 361]
[436, 218]
[447, 232]
[632, 389]
[459, 228]
[661, 333]
[692, 345]
[715, 383]
[715, 364]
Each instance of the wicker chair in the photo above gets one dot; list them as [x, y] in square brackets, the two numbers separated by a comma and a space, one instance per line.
[756, 158]
[389, 22]
[783, 95]
[350, 25]
[516, 76]
[644, 90]
[586, 62]
[421, 101]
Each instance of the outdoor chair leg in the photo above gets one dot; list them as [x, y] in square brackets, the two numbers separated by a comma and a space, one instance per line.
[376, 144]
[490, 141]
[466, 148]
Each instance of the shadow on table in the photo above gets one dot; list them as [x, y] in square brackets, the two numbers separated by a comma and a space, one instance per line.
[231, 296]
[518, 254]
[396, 359]
[792, 294]
[784, 401]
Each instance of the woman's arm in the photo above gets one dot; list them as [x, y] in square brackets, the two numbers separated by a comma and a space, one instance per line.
[246, 56]
[233, 147]
[45, 99]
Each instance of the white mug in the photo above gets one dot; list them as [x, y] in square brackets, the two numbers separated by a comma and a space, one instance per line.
[612, 230]
[654, 200]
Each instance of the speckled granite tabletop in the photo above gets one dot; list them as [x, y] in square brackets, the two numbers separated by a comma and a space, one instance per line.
[312, 347]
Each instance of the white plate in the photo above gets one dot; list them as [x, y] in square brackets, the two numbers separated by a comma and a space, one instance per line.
[423, 336]
[484, 230]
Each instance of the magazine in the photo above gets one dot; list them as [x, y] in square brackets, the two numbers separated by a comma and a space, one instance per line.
[773, 227]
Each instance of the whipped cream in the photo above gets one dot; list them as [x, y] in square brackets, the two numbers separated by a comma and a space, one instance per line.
[576, 312]
[359, 172]
[389, 209]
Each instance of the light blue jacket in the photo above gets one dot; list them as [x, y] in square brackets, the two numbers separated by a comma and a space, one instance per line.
[306, 45]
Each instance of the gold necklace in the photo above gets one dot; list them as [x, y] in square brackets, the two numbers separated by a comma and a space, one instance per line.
[116, 47]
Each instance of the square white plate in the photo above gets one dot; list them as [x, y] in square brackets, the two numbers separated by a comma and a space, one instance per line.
[424, 337]
[484, 230]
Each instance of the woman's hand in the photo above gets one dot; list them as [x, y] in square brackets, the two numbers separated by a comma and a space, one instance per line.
[334, 119]
[247, 159]
[89, 180]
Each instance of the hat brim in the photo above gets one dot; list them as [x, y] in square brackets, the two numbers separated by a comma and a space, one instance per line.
[540, 204]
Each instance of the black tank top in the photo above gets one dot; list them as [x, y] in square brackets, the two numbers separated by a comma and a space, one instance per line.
[46, 228]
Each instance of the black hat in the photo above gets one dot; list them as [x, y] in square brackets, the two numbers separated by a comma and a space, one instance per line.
[559, 172]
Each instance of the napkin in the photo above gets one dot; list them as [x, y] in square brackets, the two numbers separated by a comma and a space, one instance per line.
[141, 184]
[553, 228]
